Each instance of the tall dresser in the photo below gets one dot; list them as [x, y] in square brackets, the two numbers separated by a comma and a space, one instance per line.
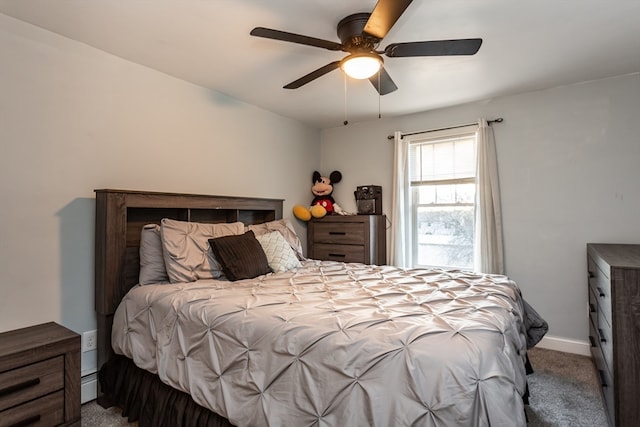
[614, 327]
[348, 238]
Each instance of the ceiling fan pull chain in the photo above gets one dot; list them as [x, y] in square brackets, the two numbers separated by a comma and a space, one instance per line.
[346, 122]
[379, 96]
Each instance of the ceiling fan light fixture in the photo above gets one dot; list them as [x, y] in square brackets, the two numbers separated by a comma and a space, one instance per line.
[361, 65]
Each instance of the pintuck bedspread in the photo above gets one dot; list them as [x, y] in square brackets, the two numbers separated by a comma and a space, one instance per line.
[334, 344]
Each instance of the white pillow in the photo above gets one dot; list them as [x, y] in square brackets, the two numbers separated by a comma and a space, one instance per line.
[187, 254]
[280, 256]
[285, 228]
[151, 260]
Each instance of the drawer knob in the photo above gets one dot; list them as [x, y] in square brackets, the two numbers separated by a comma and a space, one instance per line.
[338, 255]
[601, 292]
[603, 381]
[592, 341]
[592, 309]
[602, 338]
[27, 421]
[337, 233]
[591, 275]
[19, 386]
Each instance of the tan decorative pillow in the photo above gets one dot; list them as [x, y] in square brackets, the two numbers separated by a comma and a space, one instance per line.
[151, 259]
[285, 228]
[187, 254]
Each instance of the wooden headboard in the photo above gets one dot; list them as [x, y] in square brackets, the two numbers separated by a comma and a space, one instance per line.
[120, 215]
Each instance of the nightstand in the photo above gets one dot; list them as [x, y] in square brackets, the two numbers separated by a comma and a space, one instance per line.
[40, 377]
[348, 238]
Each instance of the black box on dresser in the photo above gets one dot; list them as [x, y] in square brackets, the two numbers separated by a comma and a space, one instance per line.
[614, 327]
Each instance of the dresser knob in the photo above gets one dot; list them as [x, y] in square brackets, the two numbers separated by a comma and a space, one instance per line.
[603, 381]
[602, 337]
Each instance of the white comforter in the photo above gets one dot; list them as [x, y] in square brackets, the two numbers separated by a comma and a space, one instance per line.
[333, 344]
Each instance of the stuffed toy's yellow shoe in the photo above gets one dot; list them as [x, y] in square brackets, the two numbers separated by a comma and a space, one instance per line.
[318, 211]
[302, 213]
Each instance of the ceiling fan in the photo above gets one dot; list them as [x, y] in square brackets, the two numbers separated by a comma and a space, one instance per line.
[360, 35]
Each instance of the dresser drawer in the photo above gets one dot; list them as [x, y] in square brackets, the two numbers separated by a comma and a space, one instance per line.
[601, 286]
[344, 253]
[606, 386]
[606, 340]
[593, 306]
[31, 381]
[46, 411]
[339, 233]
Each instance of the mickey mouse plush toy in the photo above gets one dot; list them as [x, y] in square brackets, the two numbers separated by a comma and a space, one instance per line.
[322, 203]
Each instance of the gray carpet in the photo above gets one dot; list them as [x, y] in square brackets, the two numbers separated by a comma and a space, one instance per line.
[564, 392]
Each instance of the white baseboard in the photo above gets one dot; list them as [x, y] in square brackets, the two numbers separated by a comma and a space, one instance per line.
[565, 345]
[89, 388]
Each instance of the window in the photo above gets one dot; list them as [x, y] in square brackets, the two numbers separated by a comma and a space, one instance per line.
[442, 179]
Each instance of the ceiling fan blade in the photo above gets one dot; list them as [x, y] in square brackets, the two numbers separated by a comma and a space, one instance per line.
[434, 48]
[386, 84]
[294, 38]
[313, 75]
[384, 15]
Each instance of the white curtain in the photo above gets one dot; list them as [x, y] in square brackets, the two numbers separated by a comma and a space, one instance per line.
[488, 253]
[400, 205]
[488, 250]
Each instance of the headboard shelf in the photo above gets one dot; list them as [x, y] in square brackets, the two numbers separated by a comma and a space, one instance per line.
[120, 216]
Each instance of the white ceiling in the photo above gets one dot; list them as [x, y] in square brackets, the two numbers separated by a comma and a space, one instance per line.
[528, 45]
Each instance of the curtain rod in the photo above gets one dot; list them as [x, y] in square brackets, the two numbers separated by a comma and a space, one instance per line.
[498, 120]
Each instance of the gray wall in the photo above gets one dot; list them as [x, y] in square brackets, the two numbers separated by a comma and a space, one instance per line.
[569, 171]
[74, 119]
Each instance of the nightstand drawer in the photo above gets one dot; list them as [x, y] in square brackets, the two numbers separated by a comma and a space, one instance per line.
[339, 233]
[344, 253]
[31, 381]
[44, 412]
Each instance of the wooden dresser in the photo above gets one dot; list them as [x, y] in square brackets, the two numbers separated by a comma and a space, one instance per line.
[348, 238]
[614, 327]
[40, 377]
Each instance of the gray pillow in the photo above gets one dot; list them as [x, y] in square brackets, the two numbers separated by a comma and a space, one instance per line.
[151, 260]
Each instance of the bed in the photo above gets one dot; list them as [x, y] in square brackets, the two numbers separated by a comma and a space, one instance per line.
[316, 343]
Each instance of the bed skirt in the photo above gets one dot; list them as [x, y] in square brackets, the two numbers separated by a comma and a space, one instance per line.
[147, 400]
